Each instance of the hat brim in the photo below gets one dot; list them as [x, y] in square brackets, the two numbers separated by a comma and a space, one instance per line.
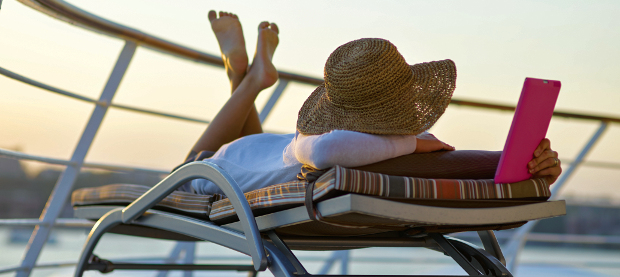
[411, 113]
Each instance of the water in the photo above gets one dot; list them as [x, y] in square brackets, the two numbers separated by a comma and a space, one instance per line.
[535, 261]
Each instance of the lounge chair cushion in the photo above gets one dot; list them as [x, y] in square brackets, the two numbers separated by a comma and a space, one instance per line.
[340, 180]
[194, 205]
[460, 164]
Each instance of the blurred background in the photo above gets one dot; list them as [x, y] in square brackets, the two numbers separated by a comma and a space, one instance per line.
[495, 44]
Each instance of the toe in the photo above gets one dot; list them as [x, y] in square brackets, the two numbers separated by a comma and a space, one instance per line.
[274, 27]
[263, 25]
[212, 15]
[222, 14]
[234, 16]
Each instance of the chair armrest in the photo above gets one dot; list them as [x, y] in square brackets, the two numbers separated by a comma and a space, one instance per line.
[215, 174]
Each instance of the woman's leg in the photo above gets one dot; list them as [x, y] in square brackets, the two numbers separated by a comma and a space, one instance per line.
[238, 116]
[229, 33]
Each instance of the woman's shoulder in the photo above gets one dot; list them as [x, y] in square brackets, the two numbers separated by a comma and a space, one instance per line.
[266, 137]
[256, 141]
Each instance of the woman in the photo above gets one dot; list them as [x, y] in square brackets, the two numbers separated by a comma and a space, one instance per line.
[373, 106]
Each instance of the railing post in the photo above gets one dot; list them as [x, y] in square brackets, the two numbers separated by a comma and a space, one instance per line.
[579, 160]
[517, 241]
[342, 256]
[185, 249]
[63, 186]
[277, 92]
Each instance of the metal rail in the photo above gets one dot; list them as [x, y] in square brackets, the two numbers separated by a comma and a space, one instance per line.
[76, 16]
[23, 156]
[134, 38]
[508, 108]
[49, 88]
[60, 222]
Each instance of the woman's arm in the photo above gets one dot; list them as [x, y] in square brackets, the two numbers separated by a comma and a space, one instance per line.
[427, 142]
[351, 149]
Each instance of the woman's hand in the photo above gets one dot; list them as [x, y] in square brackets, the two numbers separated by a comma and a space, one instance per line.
[427, 142]
[545, 163]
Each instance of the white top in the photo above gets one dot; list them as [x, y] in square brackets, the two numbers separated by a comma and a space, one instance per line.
[261, 160]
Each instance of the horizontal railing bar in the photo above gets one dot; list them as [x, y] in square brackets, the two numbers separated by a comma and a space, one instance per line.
[289, 76]
[60, 222]
[487, 105]
[597, 164]
[10, 269]
[69, 13]
[129, 108]
[41, 265]
[124, 168]
[23, 156]
[553, 238]
[76, 16]
[572, 238]
[601, 164]
[31, 82]
[539, 237]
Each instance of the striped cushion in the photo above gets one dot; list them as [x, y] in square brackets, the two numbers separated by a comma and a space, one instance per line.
[123, 194]
[340, 180]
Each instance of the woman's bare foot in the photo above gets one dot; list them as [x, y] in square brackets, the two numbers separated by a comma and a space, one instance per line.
[262, 70]
[227, 29]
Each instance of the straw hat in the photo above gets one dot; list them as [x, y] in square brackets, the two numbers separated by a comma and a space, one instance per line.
[370, 88]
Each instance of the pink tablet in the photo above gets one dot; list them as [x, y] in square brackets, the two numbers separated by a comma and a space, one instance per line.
[528, 129]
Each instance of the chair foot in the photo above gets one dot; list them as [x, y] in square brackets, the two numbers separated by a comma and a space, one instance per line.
[473, 260]
[102, 265]
[105, 223]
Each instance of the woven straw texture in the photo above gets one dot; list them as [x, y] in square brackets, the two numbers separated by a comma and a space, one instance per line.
[370, 88]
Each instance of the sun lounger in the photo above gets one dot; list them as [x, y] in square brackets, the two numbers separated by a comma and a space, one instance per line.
[342, 209]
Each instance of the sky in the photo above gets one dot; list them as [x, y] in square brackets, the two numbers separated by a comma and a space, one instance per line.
[495, 45]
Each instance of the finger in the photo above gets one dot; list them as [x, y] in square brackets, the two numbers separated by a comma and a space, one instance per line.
[551, 174]
[547, 154]
[542, 146]
[548, 163]
[447, 146]
[545, 160]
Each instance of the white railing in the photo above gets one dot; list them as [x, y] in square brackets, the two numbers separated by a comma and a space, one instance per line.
[134, 38]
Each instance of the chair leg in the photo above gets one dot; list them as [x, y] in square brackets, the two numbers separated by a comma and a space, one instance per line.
[104, 224]
[279, 264]
[491, 245]
[280, 245]
[453, 252]
[484, 262]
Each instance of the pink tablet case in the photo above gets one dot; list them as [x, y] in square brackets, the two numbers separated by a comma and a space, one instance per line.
[528, 129]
